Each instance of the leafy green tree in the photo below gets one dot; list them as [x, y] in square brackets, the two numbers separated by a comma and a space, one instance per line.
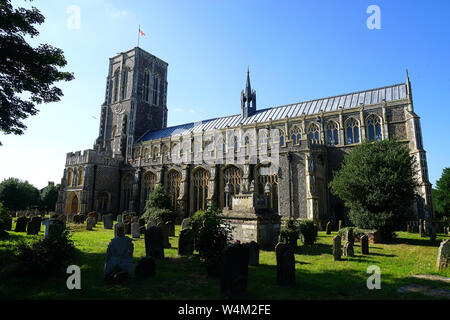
[18, 195]
[49, 196]
[441, 195]
[24, 69]
[158, 206]
[376, 181]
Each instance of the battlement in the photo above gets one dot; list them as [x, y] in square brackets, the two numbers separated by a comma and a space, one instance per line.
[90, 156]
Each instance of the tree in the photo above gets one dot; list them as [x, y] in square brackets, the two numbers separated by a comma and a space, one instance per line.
[49, 197]
[376, 181]
[18, 195]
[24, 69]
[158, 206]
[441, 195]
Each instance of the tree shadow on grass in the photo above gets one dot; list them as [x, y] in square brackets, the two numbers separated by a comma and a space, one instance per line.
[417, 242]
[316, 249]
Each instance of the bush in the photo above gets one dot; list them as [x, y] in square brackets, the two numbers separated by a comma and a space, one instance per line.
[47, 256]
[5, 218]
[211, 236]
[162, 215]
[158, 205]
[290, 233]
[308, 232]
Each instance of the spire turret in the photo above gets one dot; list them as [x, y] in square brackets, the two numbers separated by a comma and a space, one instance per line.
[248, 98]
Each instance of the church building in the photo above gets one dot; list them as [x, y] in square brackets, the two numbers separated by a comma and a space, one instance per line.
[276, 161]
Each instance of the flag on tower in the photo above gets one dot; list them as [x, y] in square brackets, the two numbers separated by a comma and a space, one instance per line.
[141, 32]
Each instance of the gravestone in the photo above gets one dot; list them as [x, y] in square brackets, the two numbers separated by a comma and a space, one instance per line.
[146, 267]
[119, 218]
[47, 224]
[94, 215]
[165, 233]
[34, 226]
[186, 242]
[135, 232]
[285, 264]
[154, 243]
[119, 256]
[328, 227]
[408, 228]
[350, 236]
[253, 253]
[90, 223]
[185, 224]
[21, 224]
[118, 225]
[364, 244]
[443, 258]
[234, 274]
[127, 227]
[340, 224]
[337, 251]
[108, 221]
[348, 249]
[171, 228]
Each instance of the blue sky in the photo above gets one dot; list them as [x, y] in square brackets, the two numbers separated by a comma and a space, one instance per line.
[296, 51]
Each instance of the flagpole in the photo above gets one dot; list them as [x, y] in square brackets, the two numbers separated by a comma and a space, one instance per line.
[139, 34]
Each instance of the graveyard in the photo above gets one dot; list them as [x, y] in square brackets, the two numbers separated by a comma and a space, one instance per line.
[403, 262]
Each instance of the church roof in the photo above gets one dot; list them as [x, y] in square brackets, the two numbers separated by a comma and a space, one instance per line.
[346, 101]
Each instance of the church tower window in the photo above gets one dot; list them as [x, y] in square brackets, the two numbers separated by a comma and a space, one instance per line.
[116, 85]
[123, 91]
[155, 90]
[146, 85]
[80, 176]
[69, 177]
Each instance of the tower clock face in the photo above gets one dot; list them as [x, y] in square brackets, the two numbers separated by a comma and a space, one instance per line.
[118, 108]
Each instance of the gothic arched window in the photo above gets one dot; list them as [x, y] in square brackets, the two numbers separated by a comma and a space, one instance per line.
[154, 153]
[267, 177]
[116, 85]
[332, 133]
[232, 178]
[155, 90]
[148, 184]
[146, 85]
[282, 138]
[127, 188]
[374, 128]
[352, 131]
[296, 135]
[123, 90]
[69, 177]
[200, 185]
[313, 133]
[80, 175]
[173, 186]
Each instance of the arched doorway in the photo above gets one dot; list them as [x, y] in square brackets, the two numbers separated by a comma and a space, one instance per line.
[72, 203]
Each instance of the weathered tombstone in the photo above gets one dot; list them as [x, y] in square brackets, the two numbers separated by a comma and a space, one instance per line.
[185, 224]
[94, 215]
[408, 228]
[348, 249]
[171, 228]
[34, 226]
[350, 236]
[337, 251]
[253, 253]
[165, 232]
[117, 226]
[107, 221]
[119, 218]
[154, 243]
[146, 267]
[364, 244]
[21, 224]
[186, 242]
[340, 224]
[285, 264]
[127, 227]
[119, 255]
[234, 274]
[328, 227]
[90, 223]
[443, 258]
[135, 232]
[47, 224]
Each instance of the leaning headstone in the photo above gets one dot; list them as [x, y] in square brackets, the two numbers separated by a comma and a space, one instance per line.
[154, 243]
[186, 242]
[185, 224]
[253, 253]
[135, 232]
[146, 267]
[108, 221]
[165, 232]
[21, 224]
[337, 251]
[443, 258]
[328, 227]
[90, 223]
[348, 249]
[364, 244]
[34, 226]
[285, 264]
[234, 274]
[119, 256]
[340, 224]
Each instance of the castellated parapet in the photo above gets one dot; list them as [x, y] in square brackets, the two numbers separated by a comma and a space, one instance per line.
[90, 156]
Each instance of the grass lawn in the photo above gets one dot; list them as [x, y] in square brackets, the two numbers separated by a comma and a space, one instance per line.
[318, 276]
